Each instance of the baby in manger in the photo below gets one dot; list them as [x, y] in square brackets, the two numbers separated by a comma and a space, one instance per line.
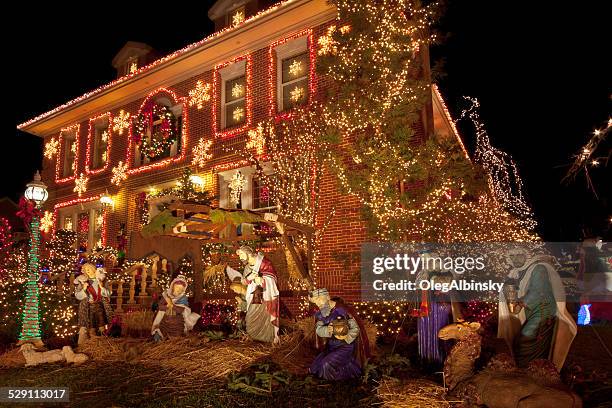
[174, 308]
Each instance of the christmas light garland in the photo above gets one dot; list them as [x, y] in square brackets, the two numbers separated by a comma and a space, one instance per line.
[504, 179]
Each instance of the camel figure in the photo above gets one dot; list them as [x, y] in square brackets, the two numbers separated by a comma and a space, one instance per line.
[501, 384]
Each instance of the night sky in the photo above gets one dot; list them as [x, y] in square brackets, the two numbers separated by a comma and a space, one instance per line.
[540, 69]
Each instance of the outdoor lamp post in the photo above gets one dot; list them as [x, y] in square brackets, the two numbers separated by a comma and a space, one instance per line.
[36, 192]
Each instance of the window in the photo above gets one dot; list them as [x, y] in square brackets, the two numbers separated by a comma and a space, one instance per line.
[235, 106]
[99, 155]
[156, 143]
[292, 73]
[294, 80]
[263, 193]
[70, 150]
[131, 65]
[88, 223]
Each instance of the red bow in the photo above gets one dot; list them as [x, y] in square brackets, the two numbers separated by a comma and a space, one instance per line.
[27, 211]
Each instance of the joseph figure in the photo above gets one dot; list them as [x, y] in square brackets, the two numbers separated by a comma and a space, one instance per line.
[262, 295]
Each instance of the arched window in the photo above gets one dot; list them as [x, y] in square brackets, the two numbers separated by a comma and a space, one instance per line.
[157, 132]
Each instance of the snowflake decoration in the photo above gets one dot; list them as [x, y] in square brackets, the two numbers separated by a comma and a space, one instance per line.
[104, 136]
[237, 90]
[327, 45]
[297, 93]
[80, 184]
[51, 148]
[256, 139]
[201, 153]
[104, 157]
[133, 67]
[236, 185]
[74, 147]
[199, 95]
[296, 68]
[238, 114]
[238, 17]
[119, 173]
[46, 222]
[121, 122]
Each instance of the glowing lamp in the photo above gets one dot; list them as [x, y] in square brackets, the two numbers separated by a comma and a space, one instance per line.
[36, 190]
[106, 200]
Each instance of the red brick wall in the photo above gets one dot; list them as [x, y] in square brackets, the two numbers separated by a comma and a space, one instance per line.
[338, 261]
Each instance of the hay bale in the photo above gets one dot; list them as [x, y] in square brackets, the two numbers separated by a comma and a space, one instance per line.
[137, 324]
[414, 393]
[12, 358]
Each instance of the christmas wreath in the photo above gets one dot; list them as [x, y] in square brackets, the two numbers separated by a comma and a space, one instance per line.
[162, 137]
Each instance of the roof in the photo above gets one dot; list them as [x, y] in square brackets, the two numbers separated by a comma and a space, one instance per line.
[289, 16]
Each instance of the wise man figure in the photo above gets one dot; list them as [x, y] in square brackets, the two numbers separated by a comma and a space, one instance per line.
[262, 295]
[95, 311]
[343, 343]
[174, 302]
[533, 318]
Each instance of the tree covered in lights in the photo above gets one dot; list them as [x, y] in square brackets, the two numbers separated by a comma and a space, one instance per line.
[379, 88]
[5, 244]
[63, 253]
[57, 313]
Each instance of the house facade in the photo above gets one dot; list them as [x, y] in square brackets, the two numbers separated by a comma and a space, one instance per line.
[138, 133]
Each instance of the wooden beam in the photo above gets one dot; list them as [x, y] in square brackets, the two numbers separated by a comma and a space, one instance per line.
[296, 259]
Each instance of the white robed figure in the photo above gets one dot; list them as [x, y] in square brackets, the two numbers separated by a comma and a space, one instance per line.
[262, 295]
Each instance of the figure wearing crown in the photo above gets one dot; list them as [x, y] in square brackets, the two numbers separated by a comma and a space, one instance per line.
[340, 336]
[95, 311]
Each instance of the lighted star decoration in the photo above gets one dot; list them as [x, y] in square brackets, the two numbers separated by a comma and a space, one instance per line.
[46, 222]
[238, 114]
[201, 153]
[296, 94]
[237, 90]
[296, 68]
[238, 17]
[199, 95]
[236, 185]
[51, 148]
[80, 184]
[119, 173]
[121, 122]
[256, 139]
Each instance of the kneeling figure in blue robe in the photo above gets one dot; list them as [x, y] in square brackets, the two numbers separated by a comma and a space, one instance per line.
[338, 333]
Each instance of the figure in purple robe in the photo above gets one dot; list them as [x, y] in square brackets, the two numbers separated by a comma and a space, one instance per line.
[339, 332]
[438, 309]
